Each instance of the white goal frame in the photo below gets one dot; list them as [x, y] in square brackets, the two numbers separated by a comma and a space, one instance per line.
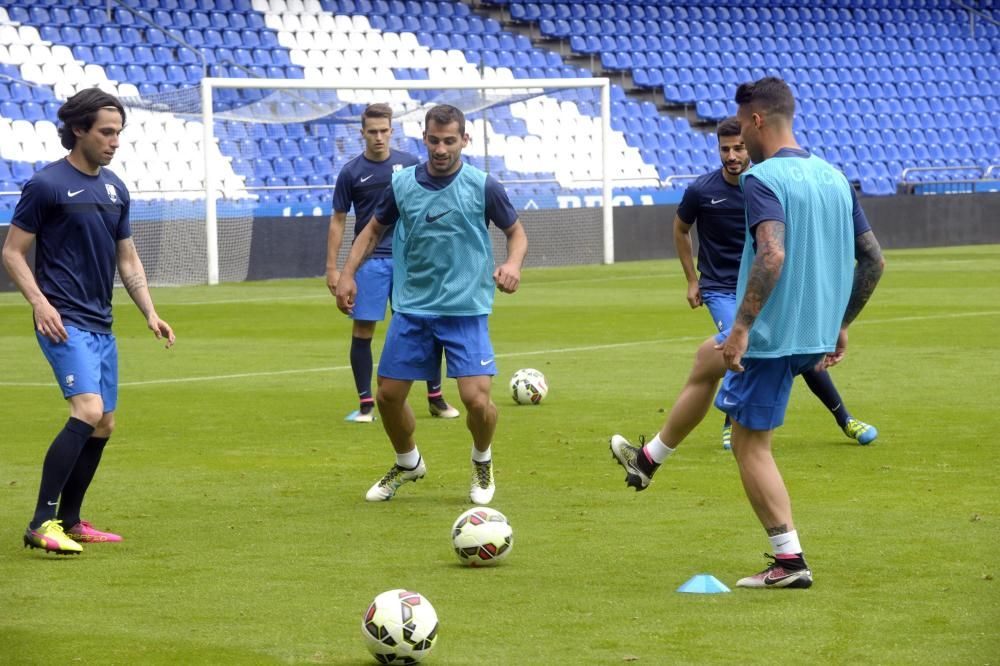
[210, 84]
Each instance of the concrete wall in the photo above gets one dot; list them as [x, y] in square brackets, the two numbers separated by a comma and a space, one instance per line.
[296, 247]
[646, 232]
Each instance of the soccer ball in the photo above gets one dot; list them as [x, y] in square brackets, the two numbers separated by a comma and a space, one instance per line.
[400, 627]
[482, 537]
[528, 387]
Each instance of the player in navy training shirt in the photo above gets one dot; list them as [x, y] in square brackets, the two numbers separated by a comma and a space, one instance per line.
[361, 182]
[715, 203]
[76, 212]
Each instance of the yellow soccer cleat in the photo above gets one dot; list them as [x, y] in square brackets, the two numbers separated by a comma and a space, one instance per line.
[50, 537]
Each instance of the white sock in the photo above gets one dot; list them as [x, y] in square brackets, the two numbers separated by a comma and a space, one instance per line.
[657, 450]
[482, 456]
[786, 544]
[410, 459]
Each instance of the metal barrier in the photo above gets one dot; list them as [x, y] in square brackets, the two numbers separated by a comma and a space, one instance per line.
[943, 186]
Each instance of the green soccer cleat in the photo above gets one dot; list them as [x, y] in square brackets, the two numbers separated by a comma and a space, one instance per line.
[861, 431]
[50, 537]
[727, 436]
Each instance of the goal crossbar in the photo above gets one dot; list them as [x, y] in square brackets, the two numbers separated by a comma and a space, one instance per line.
[528, 88]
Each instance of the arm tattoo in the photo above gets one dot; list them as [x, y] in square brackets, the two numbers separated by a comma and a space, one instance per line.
[765, 271]
[133, 283]
[867, 273]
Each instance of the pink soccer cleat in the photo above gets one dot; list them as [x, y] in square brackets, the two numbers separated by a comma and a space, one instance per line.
[84, 532]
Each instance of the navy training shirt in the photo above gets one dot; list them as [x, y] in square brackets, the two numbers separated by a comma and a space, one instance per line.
[77, 220]
[717, 209]
[762, 203]
[361, 183]
[499, 209]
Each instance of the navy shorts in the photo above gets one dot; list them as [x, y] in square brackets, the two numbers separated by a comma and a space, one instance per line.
[758, 397]
[374, 281]
[414, 343]
[86, 363]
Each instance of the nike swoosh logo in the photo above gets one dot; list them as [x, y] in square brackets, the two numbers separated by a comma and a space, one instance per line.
[486, 362]
[367, 178]
[72, 194]
[717, 201]
[434, 218]
[725, 401]
[52, 503]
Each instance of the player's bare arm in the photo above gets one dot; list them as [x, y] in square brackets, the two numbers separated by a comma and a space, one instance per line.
[364, 246]
[507, 275]
[764, 275]
[48, 322]
[334, 238]
[867, 273]
[685, 252]
[133, 277]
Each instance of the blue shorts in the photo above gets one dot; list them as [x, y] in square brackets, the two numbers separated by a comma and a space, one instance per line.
[413, 347]
[722, 306]
[374, 280]
[757, 397]
[86, 363]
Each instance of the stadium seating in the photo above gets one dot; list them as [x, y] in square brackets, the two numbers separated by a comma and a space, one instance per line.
[884, 86]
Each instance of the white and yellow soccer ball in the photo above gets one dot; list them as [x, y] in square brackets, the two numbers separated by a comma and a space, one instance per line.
[400, 627]
[528, 387]
[482, 537]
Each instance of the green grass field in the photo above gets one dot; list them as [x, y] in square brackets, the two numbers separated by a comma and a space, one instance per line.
[239, 488]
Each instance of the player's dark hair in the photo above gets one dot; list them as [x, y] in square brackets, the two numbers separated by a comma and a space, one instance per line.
[80, 112]
[445, 114]
[376, 110]
[770, 95]
[728, 127]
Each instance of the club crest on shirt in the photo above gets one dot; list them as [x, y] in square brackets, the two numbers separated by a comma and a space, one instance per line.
[112, 192]
[397, 167]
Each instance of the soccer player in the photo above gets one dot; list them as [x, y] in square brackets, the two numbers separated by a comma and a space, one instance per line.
[76, 212]
[715, 203]
[360, 183]
[442, 293]
[810, 263]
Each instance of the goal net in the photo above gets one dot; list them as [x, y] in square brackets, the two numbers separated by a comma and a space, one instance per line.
[275, 147]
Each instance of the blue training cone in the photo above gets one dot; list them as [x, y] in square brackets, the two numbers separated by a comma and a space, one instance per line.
[703, 584]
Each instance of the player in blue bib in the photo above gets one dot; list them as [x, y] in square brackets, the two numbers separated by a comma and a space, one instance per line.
[76, 213]
[360, 183]
[715, 202]
[810, 263]
[443, 284]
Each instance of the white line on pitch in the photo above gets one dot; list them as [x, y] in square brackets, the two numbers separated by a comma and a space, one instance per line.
[559, 350]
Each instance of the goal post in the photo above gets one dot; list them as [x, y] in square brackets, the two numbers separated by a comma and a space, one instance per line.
[282, 101]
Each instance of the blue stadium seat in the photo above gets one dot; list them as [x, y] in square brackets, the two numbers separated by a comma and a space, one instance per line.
[21, 171]
[78, 16]
[49, 33]
[212, 37]
[155, 74]
[194, 37]
[175, 74]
